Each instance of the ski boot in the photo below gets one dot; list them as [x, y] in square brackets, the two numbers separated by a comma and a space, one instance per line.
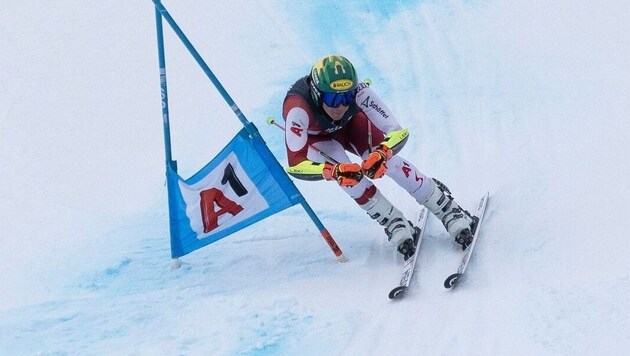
[399, 230]
[408, 247]
[457, 221]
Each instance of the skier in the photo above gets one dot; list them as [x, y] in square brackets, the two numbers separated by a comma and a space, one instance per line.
[328, 113]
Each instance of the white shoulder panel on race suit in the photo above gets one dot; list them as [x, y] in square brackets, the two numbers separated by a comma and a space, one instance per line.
[296, 128]
[376, 110]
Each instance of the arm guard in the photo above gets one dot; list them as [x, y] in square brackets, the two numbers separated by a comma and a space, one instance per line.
[396, 140]
[307, 170]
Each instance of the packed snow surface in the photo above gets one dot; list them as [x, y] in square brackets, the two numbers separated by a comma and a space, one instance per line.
[528, 100]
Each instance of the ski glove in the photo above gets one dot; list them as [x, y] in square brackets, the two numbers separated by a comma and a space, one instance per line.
[346, 174]
[375, 165]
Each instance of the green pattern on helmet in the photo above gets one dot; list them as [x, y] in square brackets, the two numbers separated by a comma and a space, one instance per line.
[334, 74]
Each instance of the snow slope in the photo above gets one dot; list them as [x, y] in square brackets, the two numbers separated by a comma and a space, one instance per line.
[526, 99]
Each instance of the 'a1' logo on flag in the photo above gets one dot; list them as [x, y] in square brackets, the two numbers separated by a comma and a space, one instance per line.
[222, 198]
[213, 197]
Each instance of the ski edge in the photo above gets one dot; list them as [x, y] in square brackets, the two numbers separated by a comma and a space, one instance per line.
[451, 281]
[409, 266]
[397, 292]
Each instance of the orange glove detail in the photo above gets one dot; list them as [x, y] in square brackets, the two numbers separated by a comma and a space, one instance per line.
[346, 174]
[375, 165]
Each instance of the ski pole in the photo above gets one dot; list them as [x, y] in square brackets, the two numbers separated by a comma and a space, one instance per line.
[272, 121]
[325, 234]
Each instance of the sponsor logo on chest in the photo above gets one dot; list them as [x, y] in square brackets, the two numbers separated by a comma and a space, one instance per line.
[371, 104]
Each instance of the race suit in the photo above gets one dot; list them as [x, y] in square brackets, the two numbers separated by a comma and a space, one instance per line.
[311, 135]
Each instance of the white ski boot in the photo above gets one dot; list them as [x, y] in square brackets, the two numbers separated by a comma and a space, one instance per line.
[398, 229]
[457, 221]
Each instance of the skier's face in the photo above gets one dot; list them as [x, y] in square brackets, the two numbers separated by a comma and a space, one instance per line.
[335, 113]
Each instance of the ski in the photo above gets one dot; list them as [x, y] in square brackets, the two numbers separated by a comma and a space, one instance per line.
[451, 281]
[410, 264]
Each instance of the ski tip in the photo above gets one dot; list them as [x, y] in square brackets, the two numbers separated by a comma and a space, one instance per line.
[397, 292]
[450, 281]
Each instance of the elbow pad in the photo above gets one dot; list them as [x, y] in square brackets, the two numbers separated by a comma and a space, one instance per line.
[307, 170]
[396, 140]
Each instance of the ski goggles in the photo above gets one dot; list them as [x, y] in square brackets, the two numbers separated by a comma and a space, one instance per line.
[334, 100]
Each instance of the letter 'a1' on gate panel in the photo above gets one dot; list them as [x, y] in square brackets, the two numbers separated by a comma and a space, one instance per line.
[243, 184]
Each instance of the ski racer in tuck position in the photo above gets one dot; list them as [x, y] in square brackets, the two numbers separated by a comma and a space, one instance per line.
[328, 113]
